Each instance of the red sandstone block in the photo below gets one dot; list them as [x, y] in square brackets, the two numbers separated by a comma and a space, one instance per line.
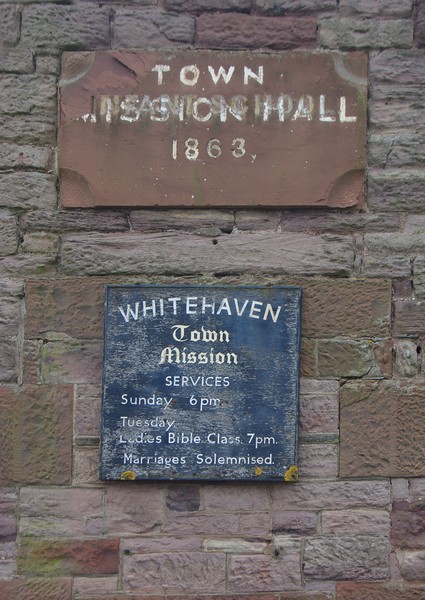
[234, 498]
[61, 512]
[69, 557]
[131, 509]
[36, 589]
[36, 434]
[331, 495]
[72, 306]
[178, 572]
[259, 573]
[408, 525]
[73, 361]
[151, 28]
[381, 429]
[319, 413]
[243, 31]
[379, 591]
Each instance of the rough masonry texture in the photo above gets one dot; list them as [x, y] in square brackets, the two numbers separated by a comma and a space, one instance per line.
[352, 527]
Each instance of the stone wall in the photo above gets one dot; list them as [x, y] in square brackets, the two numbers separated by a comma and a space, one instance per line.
[353, 527]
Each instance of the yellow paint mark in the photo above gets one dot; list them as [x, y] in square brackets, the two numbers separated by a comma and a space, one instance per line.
[128, 475]
[291, 474]
[258, 471]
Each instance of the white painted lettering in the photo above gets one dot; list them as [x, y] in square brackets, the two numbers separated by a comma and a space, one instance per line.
[189, 75]
[161, 69]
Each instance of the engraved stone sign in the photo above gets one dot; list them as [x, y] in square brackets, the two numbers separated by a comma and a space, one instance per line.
[200, 383]
[206, 128]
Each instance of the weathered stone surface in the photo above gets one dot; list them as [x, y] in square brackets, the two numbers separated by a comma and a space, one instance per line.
[379, 591]
[72, 361]
[400, 488]
[346, 557]
[28, 129]
[68, 557]
[74, 220]
[27, 94]
[158, 544]
[10, 17]
[355, 522]
[36, 433]
[412, 564]
[395, 107]
[396, 190]
[16, 59]
[409, 317]
[7, 559]
[36, 589]
[350, 33]
[184, 572]
[202, 524]
[70, 306]
[87, 410]
[60, 27]
[308, 358]
[243, 31]
[8, 360]
[319, 413]
[280, 8]
[385, 266]
[46, 64]
[183, 498]
[420, 25]
[208, 5]
[40, 243]
[203, 222]
[390, 8]
[295, 522]
[22, 265]
[234, 546]
[248, 220]
[123, 519]
[24, 156]
[8, 521]
[419, 277]
[249, 498]
[11, 293]
[381, 431]
[27, 190]
[318, 460]
[406, 358]
[331, 495]
[408, 525]
[395, 243]
[267, 573]
[183, 254]
[91, 586]
[397, 67]
[61, 512]
[255, 524]
[347, 358]
[85, 469]
[151, 28]
[396, 149]
[338, 222]
[356, 307]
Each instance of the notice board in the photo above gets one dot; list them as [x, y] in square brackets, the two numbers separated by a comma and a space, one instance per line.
[200, 383]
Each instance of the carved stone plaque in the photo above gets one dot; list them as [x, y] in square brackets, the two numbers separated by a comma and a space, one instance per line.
[205, 128]
[201, 383]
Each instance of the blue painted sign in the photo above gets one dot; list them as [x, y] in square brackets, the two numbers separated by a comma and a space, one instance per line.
[200, 383]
